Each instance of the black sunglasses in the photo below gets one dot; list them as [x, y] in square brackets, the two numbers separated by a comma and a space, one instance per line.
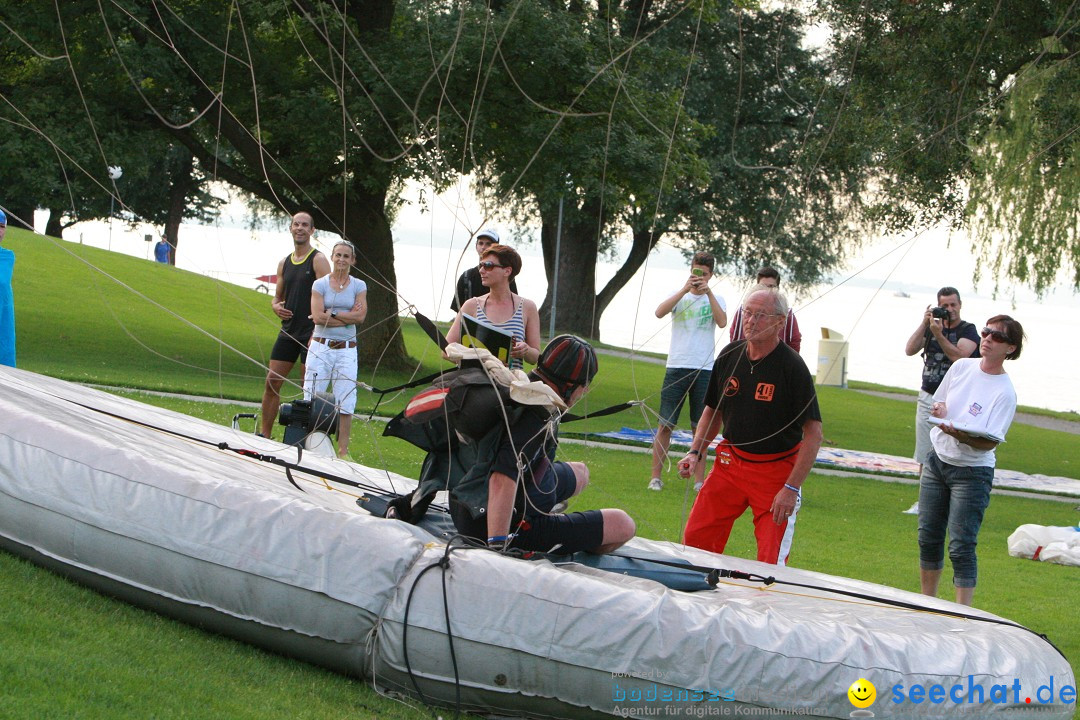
[488, 265]
[996, 334]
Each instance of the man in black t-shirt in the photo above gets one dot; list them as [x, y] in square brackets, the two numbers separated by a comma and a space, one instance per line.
[292, 303]
[942, 341]
[762, 395]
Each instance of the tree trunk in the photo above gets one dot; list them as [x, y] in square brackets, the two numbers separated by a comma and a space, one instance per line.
[181, 185]
[20, 216]
[578, 307]
[365, 224]
[575, 304]
[644, 242]
[54, 228]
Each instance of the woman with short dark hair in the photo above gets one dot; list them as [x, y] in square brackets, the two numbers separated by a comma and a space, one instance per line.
[500, 307]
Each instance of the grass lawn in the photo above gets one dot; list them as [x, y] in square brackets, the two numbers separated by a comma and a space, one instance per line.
[69, 652]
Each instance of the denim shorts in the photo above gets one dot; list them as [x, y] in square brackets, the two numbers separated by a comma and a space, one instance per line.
[678, 383]
[952, 498]
[557, 484]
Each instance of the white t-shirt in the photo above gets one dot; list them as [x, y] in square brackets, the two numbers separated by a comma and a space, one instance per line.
[979, 401]
[338, 301]
[693, 332]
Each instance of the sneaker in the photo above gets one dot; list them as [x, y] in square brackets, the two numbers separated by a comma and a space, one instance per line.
[913, 510]
[698, 486]
[656, 484]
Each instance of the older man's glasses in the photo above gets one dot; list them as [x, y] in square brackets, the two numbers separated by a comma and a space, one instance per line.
[759, 315]
[488, 265]
[997, 335]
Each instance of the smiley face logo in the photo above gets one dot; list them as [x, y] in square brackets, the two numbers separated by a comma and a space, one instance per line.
[862, 693]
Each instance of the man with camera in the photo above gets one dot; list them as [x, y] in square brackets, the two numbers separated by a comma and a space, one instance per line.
[943, 338]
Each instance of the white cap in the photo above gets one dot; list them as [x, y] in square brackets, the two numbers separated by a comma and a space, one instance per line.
[488, 233]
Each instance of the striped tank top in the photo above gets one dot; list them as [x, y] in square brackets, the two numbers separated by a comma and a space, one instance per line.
[514, 327]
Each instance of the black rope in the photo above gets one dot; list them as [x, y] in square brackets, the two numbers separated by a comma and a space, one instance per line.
[714, 574]
[444, 564]
[288, 465]
[411, 384]
[610, 410]
[405, 635]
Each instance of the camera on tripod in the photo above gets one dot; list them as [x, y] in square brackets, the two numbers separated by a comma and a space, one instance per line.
[940, 313]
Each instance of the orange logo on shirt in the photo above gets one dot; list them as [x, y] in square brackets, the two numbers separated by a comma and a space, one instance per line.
[732, 387]
[765, 392]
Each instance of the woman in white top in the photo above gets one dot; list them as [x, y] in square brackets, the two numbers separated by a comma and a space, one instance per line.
[514, 315]
[338, 305]
[974, 405]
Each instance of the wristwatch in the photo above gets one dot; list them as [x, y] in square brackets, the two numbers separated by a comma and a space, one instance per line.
[333, 313]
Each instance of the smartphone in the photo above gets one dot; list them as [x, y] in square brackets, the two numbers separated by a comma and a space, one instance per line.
[697, 271]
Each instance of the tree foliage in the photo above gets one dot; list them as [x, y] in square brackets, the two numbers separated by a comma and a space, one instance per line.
[972, 112]
[64, 127]
[301, 105]
[688, 121]
[707, 125]
[1024, 206]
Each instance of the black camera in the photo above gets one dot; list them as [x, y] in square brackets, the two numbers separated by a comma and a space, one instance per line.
[301, 418]
[940, 313]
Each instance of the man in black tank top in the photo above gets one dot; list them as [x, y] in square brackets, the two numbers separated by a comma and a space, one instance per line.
[292, 303]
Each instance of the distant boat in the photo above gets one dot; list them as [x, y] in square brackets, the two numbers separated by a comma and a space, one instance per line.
[265, 281]
[901, 293]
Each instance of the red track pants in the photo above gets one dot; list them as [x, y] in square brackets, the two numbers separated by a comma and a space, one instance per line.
[740, 480]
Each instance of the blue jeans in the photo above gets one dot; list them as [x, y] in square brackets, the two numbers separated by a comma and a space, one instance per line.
[954, 498]
[678, 383]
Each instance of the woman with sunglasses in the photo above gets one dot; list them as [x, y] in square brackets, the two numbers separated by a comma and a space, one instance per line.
[973, 408]
[500, 307]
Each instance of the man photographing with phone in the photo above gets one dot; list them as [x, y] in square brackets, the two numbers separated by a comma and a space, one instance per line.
[695, 314]
[943, 338]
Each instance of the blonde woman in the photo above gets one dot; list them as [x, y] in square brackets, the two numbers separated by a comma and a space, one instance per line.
[338, 306]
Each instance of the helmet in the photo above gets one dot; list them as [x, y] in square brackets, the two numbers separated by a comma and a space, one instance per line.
[567, 363]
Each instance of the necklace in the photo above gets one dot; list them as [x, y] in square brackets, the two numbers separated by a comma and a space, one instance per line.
[754, 363]
[340, 283]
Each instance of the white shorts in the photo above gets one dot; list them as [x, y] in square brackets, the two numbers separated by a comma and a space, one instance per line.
[326, 366]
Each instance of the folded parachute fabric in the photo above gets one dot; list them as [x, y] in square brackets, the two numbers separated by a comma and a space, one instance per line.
[522, 390]
[1060, 545]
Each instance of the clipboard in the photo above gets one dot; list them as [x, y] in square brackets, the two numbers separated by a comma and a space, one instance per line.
[966, 428]
[478, 334]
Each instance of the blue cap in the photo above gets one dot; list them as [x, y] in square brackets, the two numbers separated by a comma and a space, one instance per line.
[3, 218]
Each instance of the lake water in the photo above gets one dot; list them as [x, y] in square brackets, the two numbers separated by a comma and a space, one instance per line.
[866, 310]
